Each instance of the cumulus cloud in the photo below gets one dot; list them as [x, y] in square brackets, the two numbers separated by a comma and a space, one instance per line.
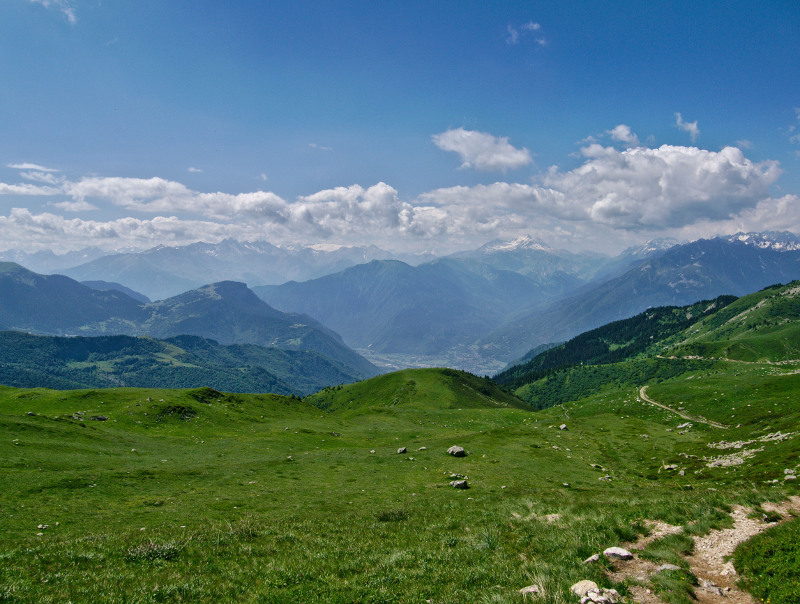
[483, 151]
[26, 230]
[612, 195]
[635, 189]
[690, 127]
[623, 134]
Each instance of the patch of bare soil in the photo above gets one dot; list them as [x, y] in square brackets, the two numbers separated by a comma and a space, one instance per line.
[709, 563]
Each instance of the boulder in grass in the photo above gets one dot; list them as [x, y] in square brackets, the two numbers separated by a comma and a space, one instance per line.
[457, 451]
[459, 484]
[617, 553]
[581, 588]
[401, 450]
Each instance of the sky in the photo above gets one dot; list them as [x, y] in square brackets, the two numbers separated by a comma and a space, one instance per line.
[414, 126]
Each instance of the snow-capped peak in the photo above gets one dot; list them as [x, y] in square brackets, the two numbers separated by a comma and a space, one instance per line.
[526, 242]
[782, 241]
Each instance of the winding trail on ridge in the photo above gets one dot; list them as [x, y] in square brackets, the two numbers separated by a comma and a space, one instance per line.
[693, 418]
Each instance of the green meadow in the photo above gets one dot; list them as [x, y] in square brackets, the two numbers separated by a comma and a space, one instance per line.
[143, 495]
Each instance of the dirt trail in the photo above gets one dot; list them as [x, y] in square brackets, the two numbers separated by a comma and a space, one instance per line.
[708, 562]
[693, 418]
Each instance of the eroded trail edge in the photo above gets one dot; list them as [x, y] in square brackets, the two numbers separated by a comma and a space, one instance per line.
[694, 418]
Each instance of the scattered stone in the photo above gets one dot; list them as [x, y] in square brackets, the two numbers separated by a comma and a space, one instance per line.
[664, 567]
[423, 448]
[672, 466]
[682, 473]
[459, 484]
[617, 553]
[592, 558]
[42, 527]
[711, 587]
[401, 450]
[606, 477]
[99, 418]
[685, 425]
[457, 451]
[531, 590]
[601, 596]
[565, 485]
[31, 413]
[786, 471]
[372, 451]
[790, 477]
[563, 427]
[581, 588]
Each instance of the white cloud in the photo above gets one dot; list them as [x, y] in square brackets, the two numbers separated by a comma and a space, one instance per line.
[25, 230]
[45, 177]
[690, 127]
[194, 170]
[482, 151]
[65, 6]
[635, 189]
[319, 147]
[75, 206]
[623, 134]
[611, 196]
[36, 167]
[515, 33]
[513, 36]
[26, 189]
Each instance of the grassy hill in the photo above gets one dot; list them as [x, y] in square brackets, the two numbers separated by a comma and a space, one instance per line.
[197, 495]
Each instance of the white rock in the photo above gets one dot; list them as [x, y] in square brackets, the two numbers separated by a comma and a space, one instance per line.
[457, 451]
[592, 558]
[530, 590]
[581, 588]
[617, 553]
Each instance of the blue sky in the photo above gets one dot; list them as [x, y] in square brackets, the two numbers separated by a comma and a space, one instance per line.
[412, 125]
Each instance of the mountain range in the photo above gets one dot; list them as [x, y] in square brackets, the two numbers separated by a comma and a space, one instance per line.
[166, 271]
[681, 275]
[227, 312]
[476, 310]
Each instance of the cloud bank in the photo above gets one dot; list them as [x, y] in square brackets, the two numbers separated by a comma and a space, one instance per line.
[613, 195]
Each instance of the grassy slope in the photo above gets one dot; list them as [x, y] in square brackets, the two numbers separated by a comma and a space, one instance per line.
[199, 496]
[266, 498]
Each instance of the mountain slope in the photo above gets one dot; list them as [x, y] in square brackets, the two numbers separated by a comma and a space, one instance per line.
[57, 304]
[227, 312]
[616, 341]
[683, 274]
[391, 307]
[143, 362]
[663, 343]
[231, 313]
